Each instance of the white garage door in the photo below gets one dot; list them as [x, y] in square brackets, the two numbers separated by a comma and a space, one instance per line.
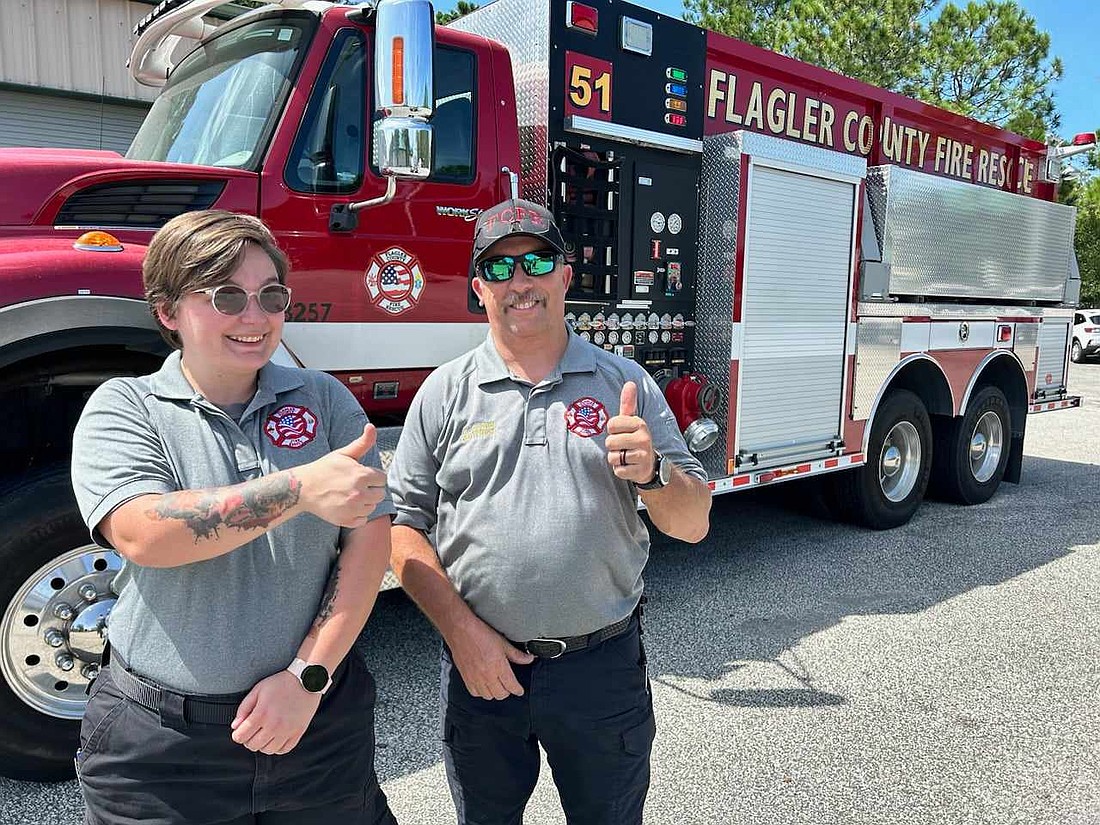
[42, 119]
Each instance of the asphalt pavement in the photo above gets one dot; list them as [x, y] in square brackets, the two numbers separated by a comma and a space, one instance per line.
[810, 672]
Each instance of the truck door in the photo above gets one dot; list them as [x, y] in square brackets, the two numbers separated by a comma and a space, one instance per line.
[385, 302]
[795, 301]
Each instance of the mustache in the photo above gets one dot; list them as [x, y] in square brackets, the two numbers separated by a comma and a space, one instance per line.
[529, 295]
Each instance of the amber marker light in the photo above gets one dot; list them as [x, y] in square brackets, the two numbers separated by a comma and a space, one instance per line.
[98, 241]
[399, 71]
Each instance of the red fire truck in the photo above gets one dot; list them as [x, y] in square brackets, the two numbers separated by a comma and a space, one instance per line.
[825, 277]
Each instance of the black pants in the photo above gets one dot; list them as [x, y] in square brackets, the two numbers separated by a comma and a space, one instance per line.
[135, 767]
[593, 715]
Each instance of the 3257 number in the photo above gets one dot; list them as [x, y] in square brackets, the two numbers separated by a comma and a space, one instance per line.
[299, 311]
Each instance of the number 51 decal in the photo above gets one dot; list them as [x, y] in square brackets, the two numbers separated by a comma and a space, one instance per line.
[587, 86]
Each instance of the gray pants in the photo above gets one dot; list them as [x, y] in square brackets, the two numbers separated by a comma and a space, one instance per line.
[136, 765]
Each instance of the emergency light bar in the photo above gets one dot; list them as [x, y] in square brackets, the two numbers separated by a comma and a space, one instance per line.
[1051, 171]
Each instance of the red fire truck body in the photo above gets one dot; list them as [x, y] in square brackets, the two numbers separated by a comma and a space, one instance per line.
[822, 275]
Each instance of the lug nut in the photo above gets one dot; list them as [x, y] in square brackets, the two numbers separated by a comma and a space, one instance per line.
[63, 612]
[90, 671]
[64, 661]
[88, 592]
[54, 639]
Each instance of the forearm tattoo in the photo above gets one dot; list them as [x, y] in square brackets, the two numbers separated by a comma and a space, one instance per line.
[249, 506]
[328, 600]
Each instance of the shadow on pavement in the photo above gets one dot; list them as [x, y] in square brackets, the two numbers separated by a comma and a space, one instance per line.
[769, 575]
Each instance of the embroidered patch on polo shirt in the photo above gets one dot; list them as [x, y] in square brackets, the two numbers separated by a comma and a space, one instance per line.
[586, 417]
[479, 429]
[291, 426]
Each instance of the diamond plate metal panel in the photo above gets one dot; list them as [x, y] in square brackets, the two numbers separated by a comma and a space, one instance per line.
[878, 350]
[523, 27]
[766, 147]
[949, 238]
[719, 196]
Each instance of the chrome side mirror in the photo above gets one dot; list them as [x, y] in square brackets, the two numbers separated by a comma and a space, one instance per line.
[403, 78]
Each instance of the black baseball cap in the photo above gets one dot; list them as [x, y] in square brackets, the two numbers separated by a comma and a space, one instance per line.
[515, 217]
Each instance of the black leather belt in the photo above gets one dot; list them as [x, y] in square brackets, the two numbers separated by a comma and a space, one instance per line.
[207, 710]
[553, 648]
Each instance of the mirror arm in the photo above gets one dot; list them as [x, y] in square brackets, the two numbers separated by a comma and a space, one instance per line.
[344, 217]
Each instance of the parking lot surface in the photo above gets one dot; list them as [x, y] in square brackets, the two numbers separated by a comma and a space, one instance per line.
[811, 672]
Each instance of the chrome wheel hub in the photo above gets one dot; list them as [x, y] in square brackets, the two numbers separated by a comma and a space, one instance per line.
[53, 633]
[986, 446]
[899, 461]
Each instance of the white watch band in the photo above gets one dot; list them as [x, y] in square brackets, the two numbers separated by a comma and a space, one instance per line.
[297, 668]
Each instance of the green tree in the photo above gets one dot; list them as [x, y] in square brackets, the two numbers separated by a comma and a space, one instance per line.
[1085, 195]
[461, 9]
[987, 60]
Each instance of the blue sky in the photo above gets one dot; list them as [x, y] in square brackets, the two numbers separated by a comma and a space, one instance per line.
[1074, 28]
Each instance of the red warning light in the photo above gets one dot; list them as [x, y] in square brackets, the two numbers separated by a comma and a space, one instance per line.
[1084, 139]
[675, 120]
[582, 17]
[1004, 333]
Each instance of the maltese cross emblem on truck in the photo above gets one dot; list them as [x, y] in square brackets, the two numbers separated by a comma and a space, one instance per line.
[394, 281]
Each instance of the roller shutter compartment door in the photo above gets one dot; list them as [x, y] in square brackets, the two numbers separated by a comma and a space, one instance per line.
[795, 300]
[28, 119]
[1050, 369]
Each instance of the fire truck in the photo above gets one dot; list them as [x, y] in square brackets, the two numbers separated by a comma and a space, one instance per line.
[825, 278]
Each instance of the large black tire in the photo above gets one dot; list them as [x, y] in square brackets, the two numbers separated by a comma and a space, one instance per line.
[886, 491]
[41, 523]
[972, 451]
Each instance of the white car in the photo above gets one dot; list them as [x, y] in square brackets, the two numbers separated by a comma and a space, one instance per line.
[1086, 334]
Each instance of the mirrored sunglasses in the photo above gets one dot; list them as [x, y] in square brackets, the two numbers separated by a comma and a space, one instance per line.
[230, 299]
[502, 267]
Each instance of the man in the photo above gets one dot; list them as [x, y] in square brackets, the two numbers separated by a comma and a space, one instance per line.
[517, 533]
[248, 505]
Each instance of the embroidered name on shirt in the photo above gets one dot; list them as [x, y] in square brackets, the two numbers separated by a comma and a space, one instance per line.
[291, 426]
[586, 417]
[479, 429]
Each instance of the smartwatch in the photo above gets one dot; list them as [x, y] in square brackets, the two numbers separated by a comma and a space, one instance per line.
[662, 474]
[313, 677]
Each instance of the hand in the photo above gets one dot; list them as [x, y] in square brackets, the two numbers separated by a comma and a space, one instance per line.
[627, 431]
[339, 489]
[483, 658]
[273, 716]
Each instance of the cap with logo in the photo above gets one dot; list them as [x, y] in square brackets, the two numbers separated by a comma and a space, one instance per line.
[515, 218]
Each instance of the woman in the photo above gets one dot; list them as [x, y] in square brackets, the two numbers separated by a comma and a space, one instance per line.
[248, 505]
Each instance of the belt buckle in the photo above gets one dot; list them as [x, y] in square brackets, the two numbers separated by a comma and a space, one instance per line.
[527, 647]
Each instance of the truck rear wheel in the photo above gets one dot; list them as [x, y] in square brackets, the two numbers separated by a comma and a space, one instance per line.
[972, 450]
[887, 490]
[55, 587]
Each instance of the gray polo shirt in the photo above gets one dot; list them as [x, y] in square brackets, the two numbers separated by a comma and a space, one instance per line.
[220, 625]
[512, 483]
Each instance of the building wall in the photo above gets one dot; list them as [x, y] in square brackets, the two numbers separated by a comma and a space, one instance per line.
[63, 75]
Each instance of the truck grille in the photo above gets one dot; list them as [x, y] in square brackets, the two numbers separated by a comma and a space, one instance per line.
[140, 204]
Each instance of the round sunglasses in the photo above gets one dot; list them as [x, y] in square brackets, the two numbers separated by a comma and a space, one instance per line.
[501, 268]
[230, 299]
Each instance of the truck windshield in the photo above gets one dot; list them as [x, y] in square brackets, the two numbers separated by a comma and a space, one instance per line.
[221, 102]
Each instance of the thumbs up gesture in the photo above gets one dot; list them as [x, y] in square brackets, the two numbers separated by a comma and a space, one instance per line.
[338, 488]
[629, 443]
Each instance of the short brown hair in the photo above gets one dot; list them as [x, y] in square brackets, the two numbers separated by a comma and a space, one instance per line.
[197, 250]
